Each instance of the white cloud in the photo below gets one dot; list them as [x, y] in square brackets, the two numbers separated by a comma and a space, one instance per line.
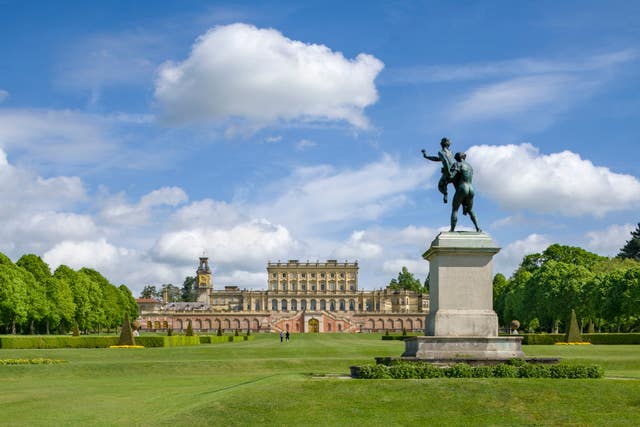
[241, 72]
[608, 242]
[272, 139]
[116, 211]
[520, 178]
[3, 95]
[419, 268]
[516, 96]
[97, 254]
[357, 247]
[244, 246]
[509, 68]
[305, 144]
[510, 257]
[363, 194]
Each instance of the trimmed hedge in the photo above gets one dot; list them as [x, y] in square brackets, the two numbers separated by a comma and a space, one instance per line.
[630, 338]
[53, 341]
[168, 341]
[417, 370]
[92, 341]
[612, 338]
[215, 339]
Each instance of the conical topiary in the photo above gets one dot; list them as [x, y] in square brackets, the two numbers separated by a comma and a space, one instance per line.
[591, 329]
[573, 332]
[219, 333]
[126, 334]
[189, 331]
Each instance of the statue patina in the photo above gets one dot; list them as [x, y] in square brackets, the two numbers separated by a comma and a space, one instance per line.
[446, 157]
[461, 175]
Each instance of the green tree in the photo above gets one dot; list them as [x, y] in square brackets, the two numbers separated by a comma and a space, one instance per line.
[60, 297]
[500, 286]
[188, 291]
[150, 291]
[631, 249]
[406, 281]
[128, 302]
[13, 295]
[174, 293]
[40, 304]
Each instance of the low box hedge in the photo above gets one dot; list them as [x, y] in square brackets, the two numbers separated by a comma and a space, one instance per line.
[167, 341]
[418, 370]
[57, 341]
[606, 339]
[214, 339]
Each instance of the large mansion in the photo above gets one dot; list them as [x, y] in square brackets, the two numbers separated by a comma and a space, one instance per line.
[300, 297]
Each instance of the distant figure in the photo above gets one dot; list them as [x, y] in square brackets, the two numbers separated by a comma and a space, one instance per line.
[461, 176]
[287, 336]
[136, 333]
[281, 336]
[446, 157]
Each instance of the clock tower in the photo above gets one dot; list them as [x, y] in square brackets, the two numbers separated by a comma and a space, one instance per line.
[203, 280]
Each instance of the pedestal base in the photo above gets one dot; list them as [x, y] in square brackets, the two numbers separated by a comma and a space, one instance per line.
[461, 348]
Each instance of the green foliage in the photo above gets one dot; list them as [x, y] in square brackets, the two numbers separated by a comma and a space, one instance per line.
[573, 332]
[174, 293]
[126, 334]
[219, 333]
[547, 285]
[613, 339]
[167, 341]
[631, 249]
[459, 370]
[512, 369]
[189, 331]
[188, 292]
[237, 334]
[54, 341]
[36, 361]
[14, 301]
[150, 291]
[406, 281]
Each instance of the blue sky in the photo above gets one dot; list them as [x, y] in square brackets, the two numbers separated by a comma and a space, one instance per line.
[136, 135]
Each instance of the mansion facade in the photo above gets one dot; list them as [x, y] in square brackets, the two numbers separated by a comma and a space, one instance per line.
[300, 297]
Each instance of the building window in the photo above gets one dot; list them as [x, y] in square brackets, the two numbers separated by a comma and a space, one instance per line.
[284, 286]
[303, 304]
[313, 287]
[342, 287]
[273, 275]
[322, 275]
[342, 275]
[284, 274]
[322, 287]
[352, 287]
[283, 305]
[313, 305]
[257, 306]
[304, 275]
[304, 287]
[294, 305]
[313, 275]
[333, 286]
[274, 305]
[333, 275]
[352, 305]
[342, 305]
[332, 305]
[323, 304]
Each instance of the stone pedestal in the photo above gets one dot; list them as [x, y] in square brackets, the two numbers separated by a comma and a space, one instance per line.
[461, 322]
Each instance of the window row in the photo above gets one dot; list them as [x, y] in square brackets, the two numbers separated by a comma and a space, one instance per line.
[331, 305]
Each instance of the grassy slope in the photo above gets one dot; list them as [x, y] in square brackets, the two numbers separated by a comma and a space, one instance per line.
[265, 382]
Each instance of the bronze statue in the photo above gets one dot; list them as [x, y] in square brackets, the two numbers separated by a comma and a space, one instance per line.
[461, 175]
[444, 156]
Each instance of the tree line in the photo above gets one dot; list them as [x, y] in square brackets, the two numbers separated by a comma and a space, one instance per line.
[34, 300]
[187, 293]
[604, 292]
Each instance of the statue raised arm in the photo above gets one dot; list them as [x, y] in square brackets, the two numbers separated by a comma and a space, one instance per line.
[446, 158]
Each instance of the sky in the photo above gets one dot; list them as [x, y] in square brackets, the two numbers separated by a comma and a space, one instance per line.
[136, 136]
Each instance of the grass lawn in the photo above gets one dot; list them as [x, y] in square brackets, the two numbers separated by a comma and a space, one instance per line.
[265, 382]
